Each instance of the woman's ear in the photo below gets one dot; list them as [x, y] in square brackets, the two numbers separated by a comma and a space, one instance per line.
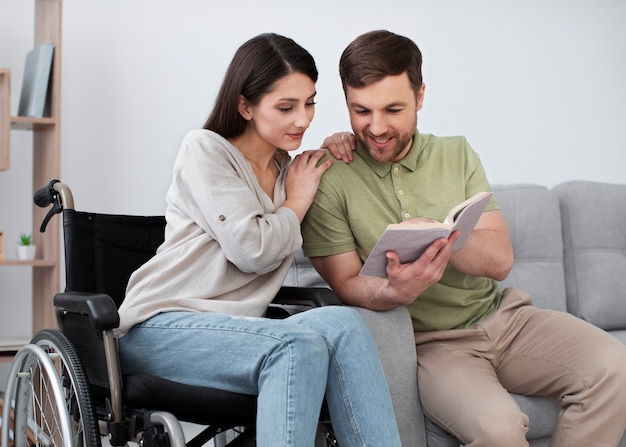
[244, 108]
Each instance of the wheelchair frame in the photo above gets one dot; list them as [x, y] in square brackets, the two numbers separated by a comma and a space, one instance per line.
[50, 397]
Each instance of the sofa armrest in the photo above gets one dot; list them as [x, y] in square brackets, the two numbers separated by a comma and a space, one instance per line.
[392, 332]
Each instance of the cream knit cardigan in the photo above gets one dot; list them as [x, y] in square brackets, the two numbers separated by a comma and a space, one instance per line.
[227, 246]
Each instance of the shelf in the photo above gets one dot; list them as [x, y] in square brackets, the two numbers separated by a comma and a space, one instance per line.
[28, 123]
[10, 345]
[33, 263]
[8, 122]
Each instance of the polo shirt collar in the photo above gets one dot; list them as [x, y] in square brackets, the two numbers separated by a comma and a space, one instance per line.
[382, 169]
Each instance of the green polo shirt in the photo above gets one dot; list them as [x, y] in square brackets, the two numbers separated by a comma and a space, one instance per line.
[357, 201]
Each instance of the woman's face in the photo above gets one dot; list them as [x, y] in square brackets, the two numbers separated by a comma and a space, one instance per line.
[285, 113]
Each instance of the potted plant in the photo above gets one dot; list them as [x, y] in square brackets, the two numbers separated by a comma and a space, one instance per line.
[26, 251]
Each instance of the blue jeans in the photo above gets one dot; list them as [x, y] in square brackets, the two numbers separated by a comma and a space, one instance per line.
[289, 364]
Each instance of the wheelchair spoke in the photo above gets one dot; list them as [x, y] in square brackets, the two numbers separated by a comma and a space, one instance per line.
[75, 400]
[46, 408]
[45, 419]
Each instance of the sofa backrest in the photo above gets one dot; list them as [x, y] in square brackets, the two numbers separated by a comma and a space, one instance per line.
[302, 273]
[569, 245]
[594, 235]
[532, 215]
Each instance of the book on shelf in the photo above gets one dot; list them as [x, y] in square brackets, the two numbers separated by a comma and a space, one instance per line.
[410, 240]
[36, 82]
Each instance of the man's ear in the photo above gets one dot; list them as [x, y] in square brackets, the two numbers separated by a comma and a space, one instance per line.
[420, 96]
[244, 108]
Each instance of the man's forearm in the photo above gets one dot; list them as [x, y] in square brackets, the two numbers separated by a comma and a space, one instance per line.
[487, 253]
[367, 292]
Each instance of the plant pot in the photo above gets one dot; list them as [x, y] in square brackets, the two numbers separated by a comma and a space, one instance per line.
[26, 252]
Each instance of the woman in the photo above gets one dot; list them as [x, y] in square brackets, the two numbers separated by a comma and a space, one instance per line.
[233, 225]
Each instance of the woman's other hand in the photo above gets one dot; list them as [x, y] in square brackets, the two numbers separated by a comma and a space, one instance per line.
[341, 145]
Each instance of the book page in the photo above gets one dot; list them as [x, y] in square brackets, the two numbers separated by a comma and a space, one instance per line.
[410, 241]
[468, 217]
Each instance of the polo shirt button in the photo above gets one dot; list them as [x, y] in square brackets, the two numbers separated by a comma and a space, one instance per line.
[401, 192]
[395, 170]
[407, 215]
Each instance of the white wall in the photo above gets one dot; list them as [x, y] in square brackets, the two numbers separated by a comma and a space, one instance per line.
[537, 86]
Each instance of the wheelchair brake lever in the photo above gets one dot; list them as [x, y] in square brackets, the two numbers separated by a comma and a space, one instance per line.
[54, 210]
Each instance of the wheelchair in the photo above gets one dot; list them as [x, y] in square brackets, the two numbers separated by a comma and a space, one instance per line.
[66, 389]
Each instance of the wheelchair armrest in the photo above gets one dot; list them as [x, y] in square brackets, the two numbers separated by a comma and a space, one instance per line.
[98, 306]
[318, 296]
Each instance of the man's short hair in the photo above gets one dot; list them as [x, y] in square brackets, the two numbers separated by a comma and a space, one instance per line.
[377, 54]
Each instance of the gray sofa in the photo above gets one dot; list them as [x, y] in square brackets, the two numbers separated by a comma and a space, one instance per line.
[570, 254]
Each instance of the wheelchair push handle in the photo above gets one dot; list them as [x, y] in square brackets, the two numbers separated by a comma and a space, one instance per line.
[44, 196]
[56, 194]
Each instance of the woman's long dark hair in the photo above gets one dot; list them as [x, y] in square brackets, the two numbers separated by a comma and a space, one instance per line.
[255, 68]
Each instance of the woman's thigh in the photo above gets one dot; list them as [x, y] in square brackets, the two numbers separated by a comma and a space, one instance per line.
[216, 350]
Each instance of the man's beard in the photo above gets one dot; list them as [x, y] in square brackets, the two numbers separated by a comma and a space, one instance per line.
[389, 154]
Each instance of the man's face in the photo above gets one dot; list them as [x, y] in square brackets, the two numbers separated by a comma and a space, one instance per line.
[384, 116]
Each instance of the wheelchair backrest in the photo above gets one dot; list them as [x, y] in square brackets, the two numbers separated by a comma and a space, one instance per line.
[103, 250]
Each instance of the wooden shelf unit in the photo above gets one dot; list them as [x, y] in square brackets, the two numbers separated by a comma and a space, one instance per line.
[46, 164]
[5, 118]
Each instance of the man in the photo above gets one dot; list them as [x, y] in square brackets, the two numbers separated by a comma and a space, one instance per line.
[475, 343]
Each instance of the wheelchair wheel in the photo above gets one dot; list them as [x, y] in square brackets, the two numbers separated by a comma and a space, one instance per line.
[47, 400]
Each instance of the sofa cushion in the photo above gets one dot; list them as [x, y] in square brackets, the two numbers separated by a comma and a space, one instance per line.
[594, 235]
[533, 217]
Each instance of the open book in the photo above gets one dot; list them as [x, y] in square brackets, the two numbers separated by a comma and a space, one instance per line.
[411, 240]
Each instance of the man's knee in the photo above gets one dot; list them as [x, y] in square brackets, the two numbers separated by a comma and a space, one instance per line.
[508, 430]
[484, 424]
[612, 373]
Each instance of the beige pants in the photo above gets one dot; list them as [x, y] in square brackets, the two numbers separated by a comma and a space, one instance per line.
[464, 376]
